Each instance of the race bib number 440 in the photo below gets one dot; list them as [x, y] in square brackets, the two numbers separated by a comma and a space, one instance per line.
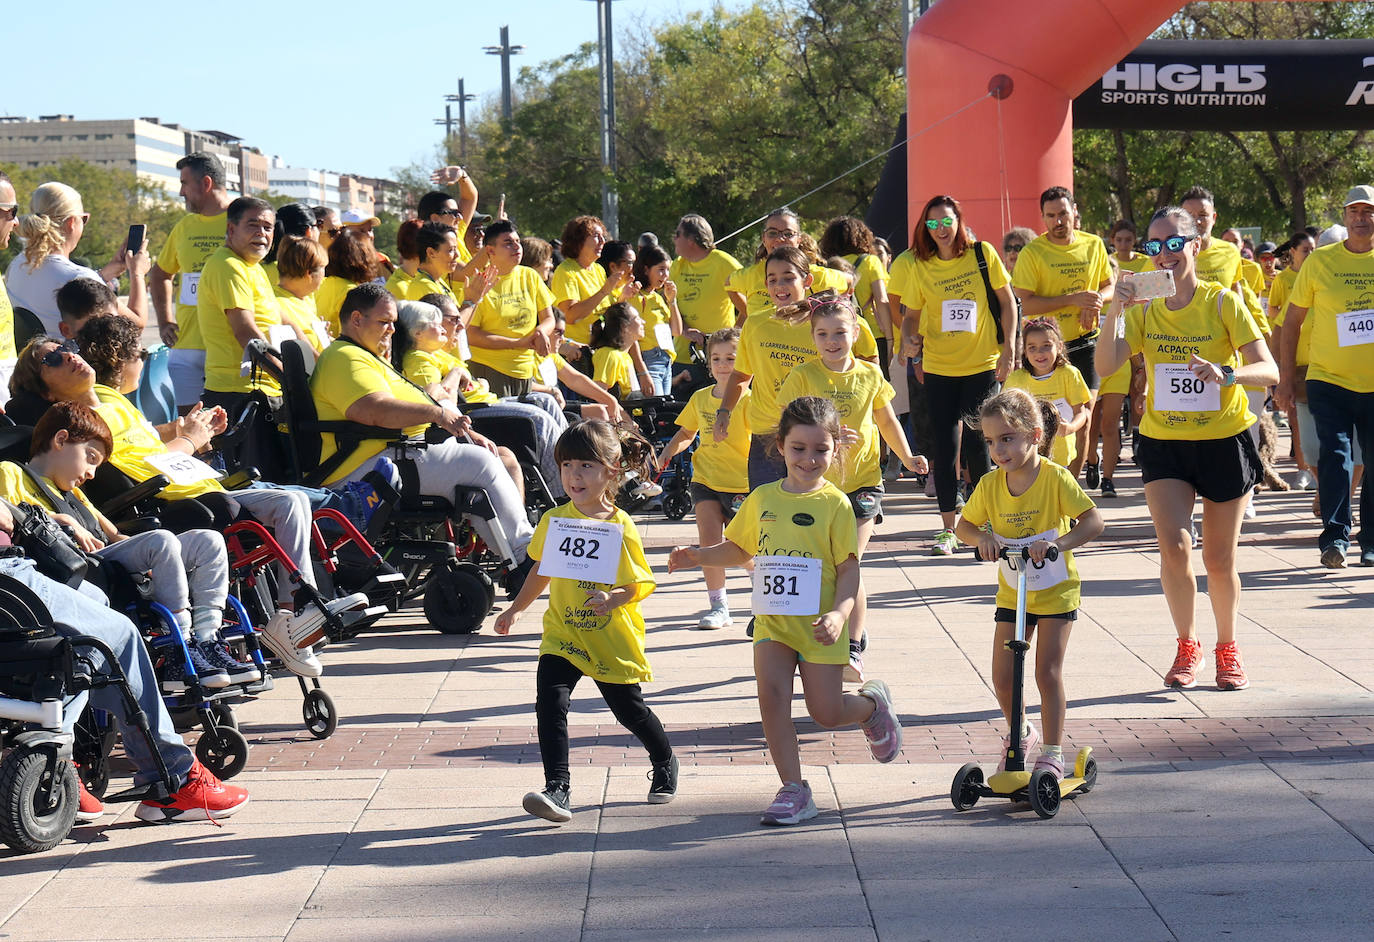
[588, 550]
[1176, 389]
[1355, 328]
[787, 585]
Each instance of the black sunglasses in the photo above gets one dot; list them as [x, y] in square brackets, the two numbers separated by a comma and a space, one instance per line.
[1174, 243]
[54, 357]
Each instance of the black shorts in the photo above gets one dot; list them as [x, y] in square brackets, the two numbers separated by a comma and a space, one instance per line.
[1008, 615]
[867, 502]
[729, 503]
[1219, 469]
[1081, 353]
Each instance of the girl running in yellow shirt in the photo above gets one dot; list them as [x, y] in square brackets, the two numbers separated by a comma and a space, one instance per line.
[1047, 374]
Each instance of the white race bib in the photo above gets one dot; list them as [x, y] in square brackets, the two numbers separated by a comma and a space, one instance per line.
[464, 351]
[1355, 328]
[322, 332]
[588, 550]
[1061, 405]
[1046, 577]
[183, 469]
[1176, 389]
[664, 335]
[548, 372]
[190, 287]
[787, 585]
[278, 334]
[634, 380]
[958, 315]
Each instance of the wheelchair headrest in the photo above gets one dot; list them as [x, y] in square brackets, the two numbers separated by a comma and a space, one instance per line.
[23, 616]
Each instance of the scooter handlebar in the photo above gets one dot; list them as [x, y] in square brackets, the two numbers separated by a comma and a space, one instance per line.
[1008, 552]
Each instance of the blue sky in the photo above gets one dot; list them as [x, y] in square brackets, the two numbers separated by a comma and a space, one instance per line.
[377, 71]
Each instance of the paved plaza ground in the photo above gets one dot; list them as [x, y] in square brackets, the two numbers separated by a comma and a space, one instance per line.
[1237, 815]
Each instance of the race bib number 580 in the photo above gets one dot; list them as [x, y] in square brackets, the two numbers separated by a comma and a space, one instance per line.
[1176, 389]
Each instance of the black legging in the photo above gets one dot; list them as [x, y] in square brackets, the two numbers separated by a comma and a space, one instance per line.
[554, 682]
[951, 400]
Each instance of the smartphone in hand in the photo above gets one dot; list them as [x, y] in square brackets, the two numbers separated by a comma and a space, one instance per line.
[137, 233]
[1149, 285]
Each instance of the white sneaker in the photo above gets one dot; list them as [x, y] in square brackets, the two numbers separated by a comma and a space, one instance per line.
[1305, 481]
[1250, 512]
[307, 627]
[276, 636]
[717, 617]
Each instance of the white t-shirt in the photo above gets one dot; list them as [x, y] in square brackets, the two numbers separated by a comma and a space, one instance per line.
[36, 289]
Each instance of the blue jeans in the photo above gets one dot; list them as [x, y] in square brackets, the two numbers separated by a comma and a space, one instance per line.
[1342, 416]
[86, 612]
[660, 367]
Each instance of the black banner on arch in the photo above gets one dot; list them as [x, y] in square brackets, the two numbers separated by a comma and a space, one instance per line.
[1291, 85]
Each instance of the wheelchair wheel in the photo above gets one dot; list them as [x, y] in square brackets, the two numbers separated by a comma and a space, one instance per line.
[457, 599]
[223, 751]
[321, 719]
[676, 504]
[224, 715]
[36, 812]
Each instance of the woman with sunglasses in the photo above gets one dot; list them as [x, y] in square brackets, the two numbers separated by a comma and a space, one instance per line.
[1201, 348]
[948, 332]
[51, 231]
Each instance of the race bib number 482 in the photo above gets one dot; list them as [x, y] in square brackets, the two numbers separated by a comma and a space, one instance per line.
[588, 550]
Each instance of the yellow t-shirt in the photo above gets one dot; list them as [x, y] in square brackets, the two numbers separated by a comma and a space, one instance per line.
[329, 300]
[610, 647]
[572, 283]
[1044, 510]
[398, 283]
[1064, 387]
[227, 281]
[1340, 284]
[1279, 292]
[1137, 263]
[653, 310]
[7, 351]
[303, 310]
[1219, 262]
[856, 393]
[1214, 325]
[511, 309]
[135, 440]
[869, 271]
[612, 368]
[1253, 275]
[721, 466]
[423, 367]
[424, 284]
[1049, 270]
[701, 296]
[344, 373]
[898, 277]
[752, 282]
[17, 488]
[942, 290]
[819, 525]
[189, 246]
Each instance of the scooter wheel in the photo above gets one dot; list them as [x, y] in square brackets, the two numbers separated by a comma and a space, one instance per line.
[1089, 776]
[1044, 793]
[967, 787]
[676, 504]
[36, 813]
[321, 719]
[223, 751]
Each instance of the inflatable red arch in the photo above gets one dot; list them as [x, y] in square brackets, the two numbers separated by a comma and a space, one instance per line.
[1051, 50]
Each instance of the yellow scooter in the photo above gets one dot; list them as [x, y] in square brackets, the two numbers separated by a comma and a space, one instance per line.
[1038, 787]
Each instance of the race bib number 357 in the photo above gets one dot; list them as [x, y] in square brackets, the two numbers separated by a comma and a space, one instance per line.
[787, 585]
[958, 315]
[588, 550]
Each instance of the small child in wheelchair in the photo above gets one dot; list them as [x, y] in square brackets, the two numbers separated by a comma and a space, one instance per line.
[188, 572]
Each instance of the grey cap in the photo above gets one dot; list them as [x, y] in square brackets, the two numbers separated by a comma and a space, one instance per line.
[1266, 248]
[1332, 236]
[1360, 194]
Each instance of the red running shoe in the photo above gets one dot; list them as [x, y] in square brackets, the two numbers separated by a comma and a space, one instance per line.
[203, 798]
[90, 808]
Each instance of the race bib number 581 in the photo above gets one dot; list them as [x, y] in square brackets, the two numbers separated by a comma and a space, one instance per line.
[787, 585]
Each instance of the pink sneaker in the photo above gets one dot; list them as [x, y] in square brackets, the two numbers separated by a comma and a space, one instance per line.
[883, 730]
[1028, 742]
[791, 805]
[1055, 763]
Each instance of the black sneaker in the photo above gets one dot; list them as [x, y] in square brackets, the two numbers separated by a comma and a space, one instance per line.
[515, 578]
[1108, 488]
[219, 655]
[552, 803]
[1092, 475]
[663, 782]
[749, 629]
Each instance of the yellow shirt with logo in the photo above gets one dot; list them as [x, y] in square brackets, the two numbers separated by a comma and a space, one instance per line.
[189, 246]
[1279, 292]
[226, 282]
[1046, 507]
[610, 647]
[701, 294]
[927, 285]
[721, 466]
[1219, 262]
[653, 310]
[1213, 325]
[423, 367]
[752, 282]
[818, 525]
[303, 310]
[345, 373]
[398, 283]
[1049, 270]
[17, 488]
[136, 440]
[1341, 282]
[424, 284]
[1253, 275]
[1065, 389]
[329, 300]
[612, 368]
[511, 309]
[573, 283]
[856, 393]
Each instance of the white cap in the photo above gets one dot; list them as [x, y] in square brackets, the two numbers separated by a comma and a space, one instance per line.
[1332, 236]
[1360, 194]
[351, 217]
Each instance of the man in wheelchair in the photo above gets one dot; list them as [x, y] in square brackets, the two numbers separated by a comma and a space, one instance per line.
[355, 381]
[196, 794]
